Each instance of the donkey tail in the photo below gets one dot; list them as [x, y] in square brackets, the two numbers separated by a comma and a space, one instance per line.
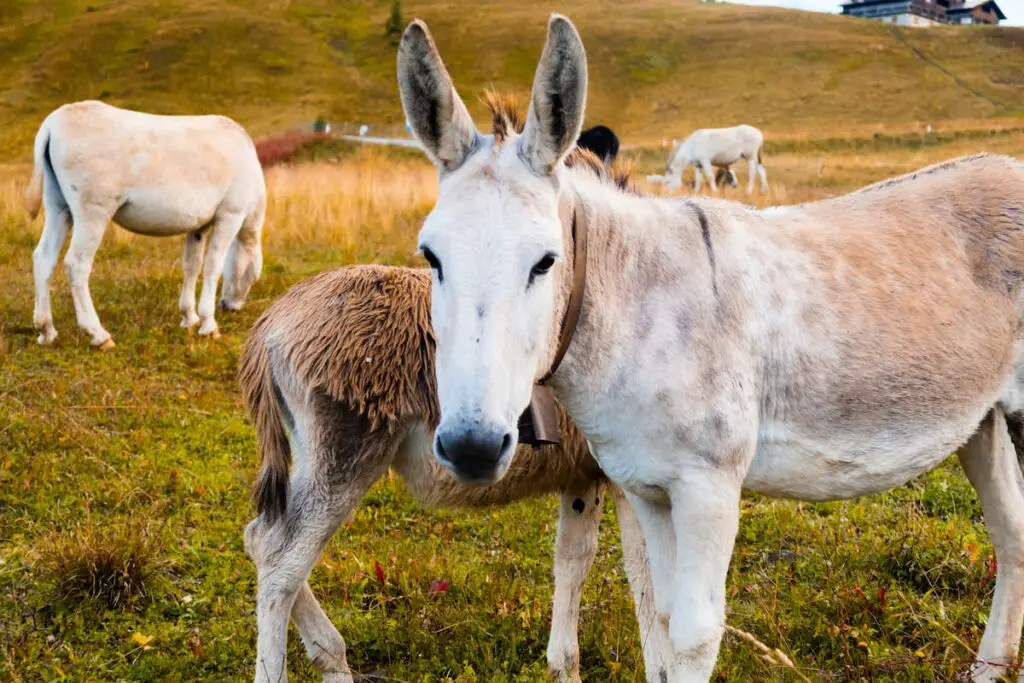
[263, 400]
[41, 159]
[759, 156]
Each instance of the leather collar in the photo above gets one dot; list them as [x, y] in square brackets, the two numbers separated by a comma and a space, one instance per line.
[539, 423]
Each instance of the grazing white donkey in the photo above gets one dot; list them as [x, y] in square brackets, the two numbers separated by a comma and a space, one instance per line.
[832, 350]
[342, 364]
[153, 175]
[718, 148]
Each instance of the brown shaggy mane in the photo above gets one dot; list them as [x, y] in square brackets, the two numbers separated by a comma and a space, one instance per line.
[507, 118]
[505, 114]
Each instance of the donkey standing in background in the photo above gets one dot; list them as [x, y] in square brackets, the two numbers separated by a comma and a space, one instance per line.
[343, 364]
[152, 175]
[718, 148]
[601, 141]
[819, 352]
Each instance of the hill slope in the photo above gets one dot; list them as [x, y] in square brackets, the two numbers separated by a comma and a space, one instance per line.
[659, 68]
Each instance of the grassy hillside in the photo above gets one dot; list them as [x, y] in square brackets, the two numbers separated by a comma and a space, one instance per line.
[658, 67]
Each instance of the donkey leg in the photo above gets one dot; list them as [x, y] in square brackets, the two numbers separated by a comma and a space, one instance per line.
[751, 174]
[579, 516]
[991, 465]
[222, 234]
[44, 260]
[653, 634]
[85, 240]
[659, 538]
[324, 645]
[191, 264]
[1015, 423]
[336, 462]
[285, 554]
[705, 516]
[706, 168]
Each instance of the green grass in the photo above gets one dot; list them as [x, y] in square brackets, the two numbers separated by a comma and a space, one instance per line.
[658, 69]
[124, 482]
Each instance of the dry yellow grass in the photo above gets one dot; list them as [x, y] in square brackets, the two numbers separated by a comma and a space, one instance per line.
[370, 205]
[366, 202]
[13, 178]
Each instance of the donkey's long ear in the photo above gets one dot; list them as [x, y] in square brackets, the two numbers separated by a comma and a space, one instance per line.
[558, 100]
[434, 110]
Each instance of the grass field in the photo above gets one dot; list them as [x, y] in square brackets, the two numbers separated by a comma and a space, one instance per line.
[124, 489]
[657, 71]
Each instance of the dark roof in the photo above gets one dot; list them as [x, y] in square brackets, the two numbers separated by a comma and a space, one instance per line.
[966, 8]
[969, 7]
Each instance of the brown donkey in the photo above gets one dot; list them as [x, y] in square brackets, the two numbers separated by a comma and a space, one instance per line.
[343, 364]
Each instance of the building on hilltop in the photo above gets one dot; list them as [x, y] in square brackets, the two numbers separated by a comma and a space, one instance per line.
[975, 13]
[926, 12]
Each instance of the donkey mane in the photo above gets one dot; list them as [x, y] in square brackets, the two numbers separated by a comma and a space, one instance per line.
[506, 118]
[949, 164]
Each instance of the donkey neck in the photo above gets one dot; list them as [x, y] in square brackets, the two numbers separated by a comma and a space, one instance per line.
[649, 259]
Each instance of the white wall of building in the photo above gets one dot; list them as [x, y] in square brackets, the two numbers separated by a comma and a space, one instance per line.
[911, 20]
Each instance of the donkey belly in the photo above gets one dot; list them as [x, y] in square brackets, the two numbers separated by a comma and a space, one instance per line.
[726, 157]
[164, 211]
[788, 464]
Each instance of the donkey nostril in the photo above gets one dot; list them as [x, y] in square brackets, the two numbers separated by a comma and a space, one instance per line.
[506, 443]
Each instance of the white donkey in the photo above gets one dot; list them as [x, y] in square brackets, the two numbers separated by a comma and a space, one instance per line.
[153, 175]
[837, 357]
[719, 148]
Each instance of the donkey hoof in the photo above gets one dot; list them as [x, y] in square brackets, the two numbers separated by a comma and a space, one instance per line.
[209, 329]
[106, 345]
[564, 675]
[189, 321]
[47, 337]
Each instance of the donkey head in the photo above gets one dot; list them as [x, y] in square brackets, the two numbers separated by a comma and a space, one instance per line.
[725, 176]
[496, 243]
[242, 267]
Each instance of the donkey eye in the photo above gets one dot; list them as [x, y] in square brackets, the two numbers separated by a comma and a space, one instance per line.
[434, 263]
[544, 265]
[541, 267]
